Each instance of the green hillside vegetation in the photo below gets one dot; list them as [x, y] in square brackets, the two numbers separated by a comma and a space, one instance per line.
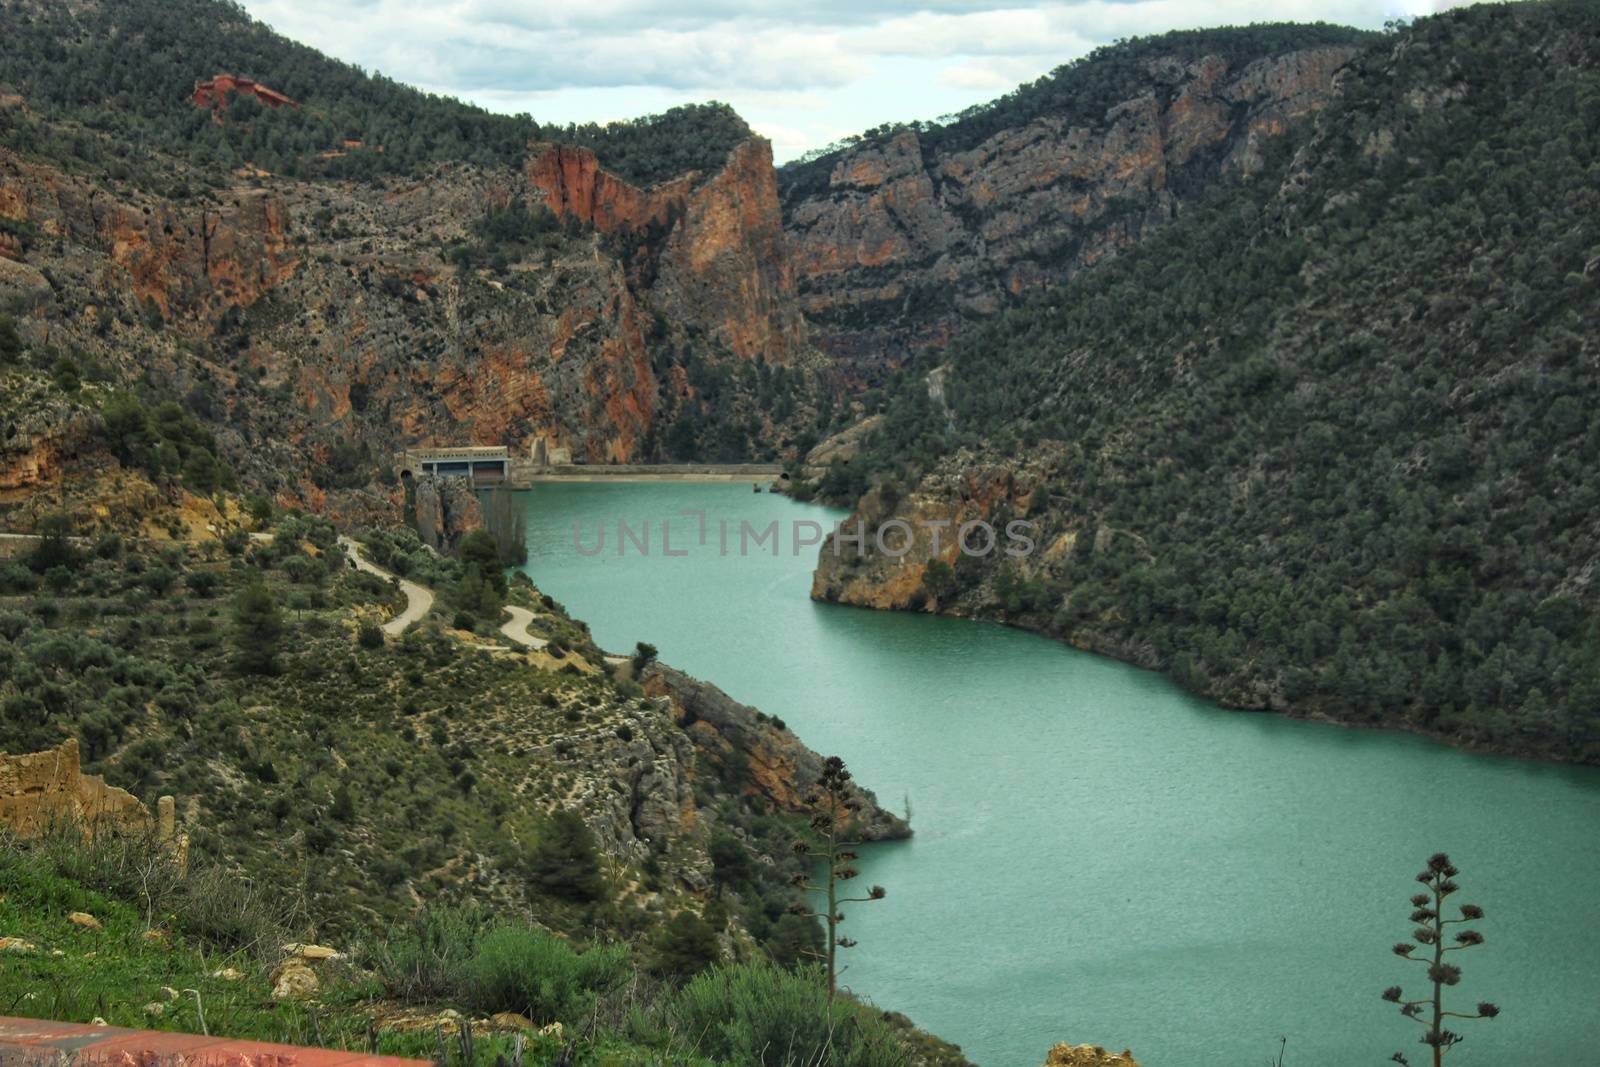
[113, 82]
[354, 773]
[196, 951]
[1080, 92]
[1336, 429]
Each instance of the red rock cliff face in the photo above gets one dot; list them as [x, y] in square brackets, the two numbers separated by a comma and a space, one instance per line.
[713, 246]
[189, 259]
[574, 183]
[900, 245]
[315, 313]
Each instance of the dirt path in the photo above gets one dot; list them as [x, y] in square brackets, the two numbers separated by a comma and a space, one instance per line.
[419, 599]
[517, 629]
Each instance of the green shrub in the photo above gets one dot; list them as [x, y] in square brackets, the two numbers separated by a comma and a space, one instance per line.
[758, 1014]
[536, 973]
[371, 635]
[202, 583]
[10, 340]
[565, 862]
[430, 959]
[684, 947]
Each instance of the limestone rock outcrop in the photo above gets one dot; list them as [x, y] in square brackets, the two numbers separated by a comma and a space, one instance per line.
[777, 767]
[311, 318]
[712, 246]
[901, 243]
[1065, 1055]
[293, 979]
[42, 790]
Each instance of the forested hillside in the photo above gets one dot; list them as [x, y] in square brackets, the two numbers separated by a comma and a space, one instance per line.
[1327, 445]
[125, 70]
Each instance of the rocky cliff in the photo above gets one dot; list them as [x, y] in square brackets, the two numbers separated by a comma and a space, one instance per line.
[312, 317]
[907, 236]
[755, 753]
[1065, 1055]
[711, 247]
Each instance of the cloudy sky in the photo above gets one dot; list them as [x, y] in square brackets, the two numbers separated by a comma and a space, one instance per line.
[803, 74]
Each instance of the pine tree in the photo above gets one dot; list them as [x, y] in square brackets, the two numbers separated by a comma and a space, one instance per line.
[257, 627]
[566, 861]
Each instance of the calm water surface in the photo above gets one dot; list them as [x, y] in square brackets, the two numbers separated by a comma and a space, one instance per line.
[1100, 857]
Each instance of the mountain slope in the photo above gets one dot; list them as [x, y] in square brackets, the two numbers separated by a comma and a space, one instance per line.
[905, 234]
[130, 69]
[1326, 446]
[458, 293]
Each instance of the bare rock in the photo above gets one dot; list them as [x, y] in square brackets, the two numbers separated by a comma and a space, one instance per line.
[22, 283]
[294, 980]
[1065, 1055]
[312, 953]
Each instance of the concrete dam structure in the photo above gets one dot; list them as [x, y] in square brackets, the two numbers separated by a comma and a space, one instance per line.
[496, 467]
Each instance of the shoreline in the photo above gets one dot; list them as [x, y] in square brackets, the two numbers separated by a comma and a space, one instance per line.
[1453, 741]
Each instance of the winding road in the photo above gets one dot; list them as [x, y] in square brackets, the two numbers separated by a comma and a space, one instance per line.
[517, 629]
[419, 599]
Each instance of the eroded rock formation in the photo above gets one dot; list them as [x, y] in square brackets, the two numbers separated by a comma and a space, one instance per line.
[309, 316]
[1065, 1055]
[712, 245]
[741, 745]
[903, 242]
[40, 791]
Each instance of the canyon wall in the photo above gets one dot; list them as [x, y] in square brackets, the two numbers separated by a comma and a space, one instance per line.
[309, 317]
[712, 246]
[903, 243]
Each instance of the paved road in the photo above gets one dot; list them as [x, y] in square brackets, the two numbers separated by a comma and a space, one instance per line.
[517, 628]
[419, 599]
[39, 537]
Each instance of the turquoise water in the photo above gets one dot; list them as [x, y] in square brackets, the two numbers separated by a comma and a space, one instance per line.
[1100, 857]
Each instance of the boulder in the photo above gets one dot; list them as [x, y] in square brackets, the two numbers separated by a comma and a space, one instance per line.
[511, 1020]
[84, 919]
[312, 953]
[1065, 1055]
[23, 285]
[16, 944]
[293, 980]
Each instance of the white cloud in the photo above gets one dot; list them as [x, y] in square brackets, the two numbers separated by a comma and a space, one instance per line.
[996, 76]
[801, 73]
